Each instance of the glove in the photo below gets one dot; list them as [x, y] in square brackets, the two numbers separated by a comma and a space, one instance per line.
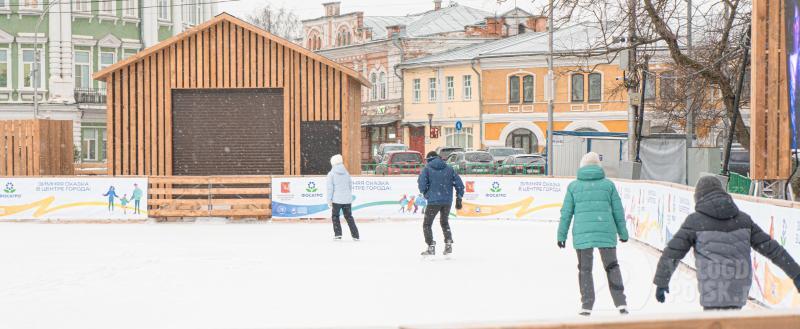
[458, 204]
[797, 283]
[562, 244]
[623, 240]
[661, 294]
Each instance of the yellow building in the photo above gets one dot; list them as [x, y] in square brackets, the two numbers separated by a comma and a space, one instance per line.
[496, 89]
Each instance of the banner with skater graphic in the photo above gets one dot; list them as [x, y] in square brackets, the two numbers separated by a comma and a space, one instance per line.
[399, 197]
[655, 212]
[73, 198]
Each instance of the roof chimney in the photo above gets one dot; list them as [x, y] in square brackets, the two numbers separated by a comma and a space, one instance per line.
[437, 4]
[332, 8]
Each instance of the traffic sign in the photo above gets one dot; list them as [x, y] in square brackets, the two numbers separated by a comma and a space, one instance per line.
[459, 126]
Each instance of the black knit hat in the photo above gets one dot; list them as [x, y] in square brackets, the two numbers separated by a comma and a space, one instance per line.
[705, 186]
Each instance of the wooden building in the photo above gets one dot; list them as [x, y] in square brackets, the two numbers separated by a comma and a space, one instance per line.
[36, 148]
[228, 98]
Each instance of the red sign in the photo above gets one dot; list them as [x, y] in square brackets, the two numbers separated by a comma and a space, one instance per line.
[285, 187]
[435, 132]
[470, 187]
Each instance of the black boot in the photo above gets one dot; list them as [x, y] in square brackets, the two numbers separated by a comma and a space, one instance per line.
[448, 249]
[430, 251]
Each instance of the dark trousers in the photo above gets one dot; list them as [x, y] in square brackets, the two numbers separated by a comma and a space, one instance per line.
[348, 216]
[430, 214]
[136, 206]
[585, 261]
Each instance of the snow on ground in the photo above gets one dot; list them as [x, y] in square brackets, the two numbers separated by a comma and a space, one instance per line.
[281, 275]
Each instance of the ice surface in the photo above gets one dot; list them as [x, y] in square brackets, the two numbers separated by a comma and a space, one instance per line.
[281, 275]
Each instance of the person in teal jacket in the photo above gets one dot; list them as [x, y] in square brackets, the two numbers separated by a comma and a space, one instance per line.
[137, 198]
[594, 209]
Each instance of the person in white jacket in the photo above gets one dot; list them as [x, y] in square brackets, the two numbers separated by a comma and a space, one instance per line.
[340, 197]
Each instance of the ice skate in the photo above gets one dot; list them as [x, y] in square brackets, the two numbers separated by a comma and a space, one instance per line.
[448, 249]
[623, 310]
[585, 313]
[337, 238]
[430, 251]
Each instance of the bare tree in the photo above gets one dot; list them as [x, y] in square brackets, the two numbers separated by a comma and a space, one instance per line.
[279, 21]
[707, 74]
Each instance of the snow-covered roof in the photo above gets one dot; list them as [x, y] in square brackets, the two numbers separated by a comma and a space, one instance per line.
[448, 19]
[378, 24]
[578, 37]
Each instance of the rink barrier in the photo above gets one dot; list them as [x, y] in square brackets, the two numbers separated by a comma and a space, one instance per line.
[210, 196]
[786, 319]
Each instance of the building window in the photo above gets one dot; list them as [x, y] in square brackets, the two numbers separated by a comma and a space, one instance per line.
[190, 12]
[527, 89]
[432, 89]
[343, 38]
[4, 4]
[107, 8]
[93, 143]
[163, 10]
[451, 88]
[650, 87]
[83, 70]
[4, 68]
[467, 87]
[128, 53]
[314, 41]
[577, 87]
[131, 8]
[595, 87]
[416, 90]
[82, 6]
[106, 60]
[382, 83]
[513, 89]
[667, 91]
[461, 139]
[27, 69]
[373, 78]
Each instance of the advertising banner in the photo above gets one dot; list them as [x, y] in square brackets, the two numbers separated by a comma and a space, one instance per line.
[80, 198]
[398, 197]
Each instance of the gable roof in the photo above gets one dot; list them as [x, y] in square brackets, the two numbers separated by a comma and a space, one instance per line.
[225, 17]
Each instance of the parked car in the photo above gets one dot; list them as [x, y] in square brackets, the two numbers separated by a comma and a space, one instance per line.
[444, 152]
[523, 164]
[385, 148]
[500, 153]
[739, 162]
[401, 163]
[474, 162]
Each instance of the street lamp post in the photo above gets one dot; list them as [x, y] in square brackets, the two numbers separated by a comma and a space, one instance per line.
[35, 70]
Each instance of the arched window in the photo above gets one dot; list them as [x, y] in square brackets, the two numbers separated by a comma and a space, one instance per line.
[314, 40]
[343, 38]
[577, 87]
[523, 139]
[520, 84]
[382, 83]
[373, 78]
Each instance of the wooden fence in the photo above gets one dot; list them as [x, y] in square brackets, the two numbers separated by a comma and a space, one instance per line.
[212, 196]
[36, 148]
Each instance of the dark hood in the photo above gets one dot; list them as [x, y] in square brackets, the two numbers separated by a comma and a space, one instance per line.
[717, 204]
[436, 163]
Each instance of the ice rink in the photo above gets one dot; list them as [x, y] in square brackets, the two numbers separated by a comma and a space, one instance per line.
[285, 275]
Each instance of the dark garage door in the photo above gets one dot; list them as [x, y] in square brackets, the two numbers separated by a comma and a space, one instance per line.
[227, 131]
[320, 140]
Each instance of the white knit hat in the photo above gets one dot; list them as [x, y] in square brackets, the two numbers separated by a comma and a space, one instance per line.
[336, 160]
[589, 159]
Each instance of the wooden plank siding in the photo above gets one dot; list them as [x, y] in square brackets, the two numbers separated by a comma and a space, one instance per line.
[223, 53]
[36, 148]
[770, 147]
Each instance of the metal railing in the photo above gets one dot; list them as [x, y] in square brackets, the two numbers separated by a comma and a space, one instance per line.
[90, 95]
[382, 169]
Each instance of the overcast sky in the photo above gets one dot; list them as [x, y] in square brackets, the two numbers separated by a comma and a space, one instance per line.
[313, 8]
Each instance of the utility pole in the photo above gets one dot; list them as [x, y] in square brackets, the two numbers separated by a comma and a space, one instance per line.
[630, 79]
[690, 115]
[552, 91]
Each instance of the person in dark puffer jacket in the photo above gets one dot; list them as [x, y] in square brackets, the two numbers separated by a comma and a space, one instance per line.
[722, 237]
[436, 183]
